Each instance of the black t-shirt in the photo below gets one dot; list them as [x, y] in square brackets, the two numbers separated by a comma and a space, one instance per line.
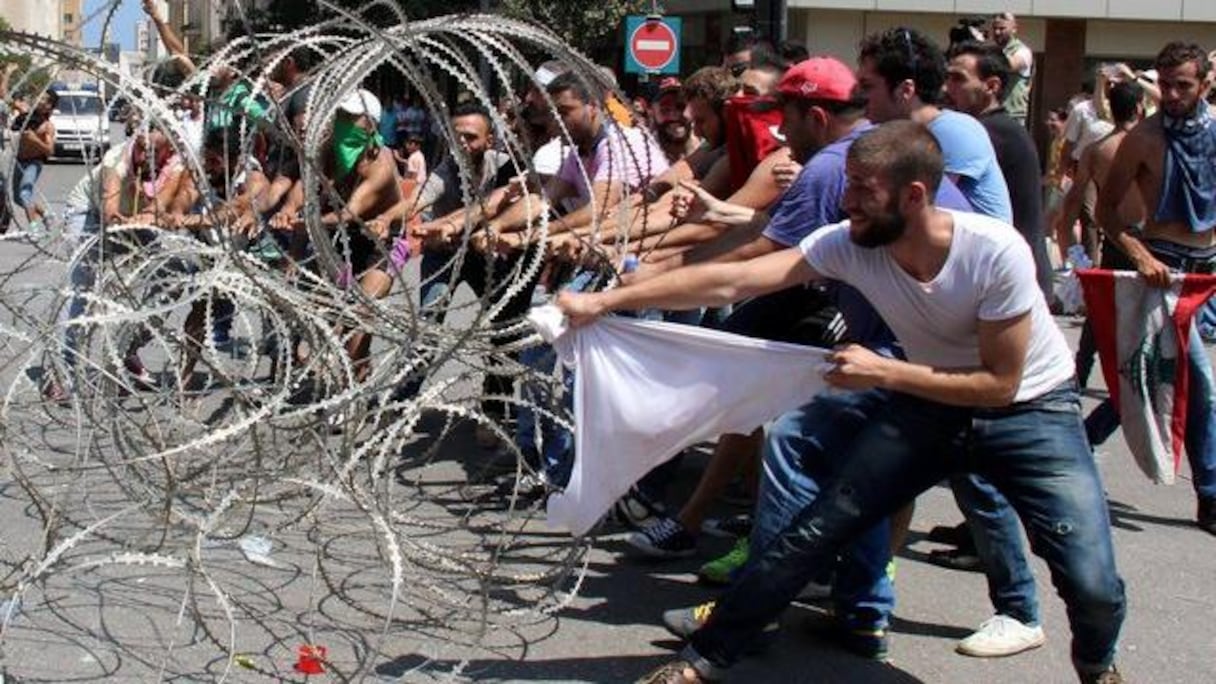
[1019, 162]
[452, 198]
[281, 157]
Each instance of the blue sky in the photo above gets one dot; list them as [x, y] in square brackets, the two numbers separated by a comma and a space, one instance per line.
[122, 27]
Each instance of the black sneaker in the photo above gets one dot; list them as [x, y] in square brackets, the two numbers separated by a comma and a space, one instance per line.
[871, 644]
[667, 538]
[637, 511]
[956, 535]
[733, 527]
[682, 622]
[1108, 676]
[1206, 518]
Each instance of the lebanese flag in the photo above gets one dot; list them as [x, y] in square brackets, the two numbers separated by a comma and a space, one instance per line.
[1142, 333]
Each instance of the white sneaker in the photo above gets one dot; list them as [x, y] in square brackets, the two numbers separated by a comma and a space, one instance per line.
[1000, 636]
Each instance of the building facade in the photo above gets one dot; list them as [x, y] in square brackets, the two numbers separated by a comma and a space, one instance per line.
[147, 39]
[72, 21]
[198, 22]
[32, 16]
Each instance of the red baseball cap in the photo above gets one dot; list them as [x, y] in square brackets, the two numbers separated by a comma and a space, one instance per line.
[819, 78]
[669, 84]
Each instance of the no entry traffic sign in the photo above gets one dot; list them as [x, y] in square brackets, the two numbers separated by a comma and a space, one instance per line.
[652, 45]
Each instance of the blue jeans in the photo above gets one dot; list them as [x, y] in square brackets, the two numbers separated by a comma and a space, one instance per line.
[1034, 452]
[802, 455]
[1201, 417]
[998, 542]
[537, 433]
[1201, 394]
[25, 178]
[435, 284]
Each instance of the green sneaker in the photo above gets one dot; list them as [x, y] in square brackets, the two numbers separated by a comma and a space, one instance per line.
[720, 571]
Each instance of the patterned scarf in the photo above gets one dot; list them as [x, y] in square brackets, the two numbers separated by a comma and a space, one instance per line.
[1188, 192]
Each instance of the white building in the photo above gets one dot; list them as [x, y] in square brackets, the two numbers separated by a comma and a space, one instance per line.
[147, 39]
[43, 17]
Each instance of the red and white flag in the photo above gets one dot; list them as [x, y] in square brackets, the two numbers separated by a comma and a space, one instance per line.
[1142, 333]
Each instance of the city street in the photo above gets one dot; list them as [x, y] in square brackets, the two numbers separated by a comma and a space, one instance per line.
[611, 632]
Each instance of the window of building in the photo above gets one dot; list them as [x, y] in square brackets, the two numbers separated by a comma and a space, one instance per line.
[67, 18]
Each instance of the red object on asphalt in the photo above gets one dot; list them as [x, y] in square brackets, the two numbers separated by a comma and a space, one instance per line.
[311, 659]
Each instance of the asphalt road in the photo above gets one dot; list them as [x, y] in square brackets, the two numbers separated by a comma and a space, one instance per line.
[611, 630]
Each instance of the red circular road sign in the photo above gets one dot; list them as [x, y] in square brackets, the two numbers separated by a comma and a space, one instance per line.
[653, 45]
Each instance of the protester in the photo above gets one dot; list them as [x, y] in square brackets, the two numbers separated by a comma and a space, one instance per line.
[980, 340]
[410, 161]
[35, 133]
[1088, 122]
[474, 169]
[671, 125]
[1016, 95]
[977, 80]
[1056, 183]
[903, 73]
[365, 182]
[1168, 160]
[6, 73]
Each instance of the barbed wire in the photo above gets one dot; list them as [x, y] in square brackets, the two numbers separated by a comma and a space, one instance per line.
[245, 520]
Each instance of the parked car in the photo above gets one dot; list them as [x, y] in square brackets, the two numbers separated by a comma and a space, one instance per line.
[81, 126]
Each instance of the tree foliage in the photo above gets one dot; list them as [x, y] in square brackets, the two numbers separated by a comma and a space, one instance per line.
[29, 79]
[591, 27]
[293, 14]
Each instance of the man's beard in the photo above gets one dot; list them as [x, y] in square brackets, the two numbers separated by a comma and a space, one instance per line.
[665, 132]
[880, 231]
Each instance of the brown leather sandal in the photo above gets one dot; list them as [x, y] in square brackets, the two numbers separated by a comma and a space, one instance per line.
[676, 672]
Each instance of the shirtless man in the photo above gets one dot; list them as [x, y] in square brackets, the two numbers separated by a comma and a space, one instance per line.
[1127, 111]
[1178, 231]
[35, 135]
[364, 177]
[1094, 166]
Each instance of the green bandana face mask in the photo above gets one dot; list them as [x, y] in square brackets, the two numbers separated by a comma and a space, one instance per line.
[350, 143]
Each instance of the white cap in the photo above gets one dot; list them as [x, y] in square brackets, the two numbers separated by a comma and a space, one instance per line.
[548, 71]
[362, 102]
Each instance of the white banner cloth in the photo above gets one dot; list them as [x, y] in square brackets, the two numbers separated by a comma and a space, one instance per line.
[644, 391]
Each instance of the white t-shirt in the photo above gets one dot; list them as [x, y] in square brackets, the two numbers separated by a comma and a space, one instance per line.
[87, 192]
[193, 130]
[548, 157]
[989, 275]
[1084, 127]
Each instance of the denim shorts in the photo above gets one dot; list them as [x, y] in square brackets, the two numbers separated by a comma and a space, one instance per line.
[25, 177]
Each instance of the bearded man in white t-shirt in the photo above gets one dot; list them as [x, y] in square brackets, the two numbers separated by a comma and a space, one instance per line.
[987, 387]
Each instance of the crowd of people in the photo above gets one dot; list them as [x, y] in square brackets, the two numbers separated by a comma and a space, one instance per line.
[897, 211]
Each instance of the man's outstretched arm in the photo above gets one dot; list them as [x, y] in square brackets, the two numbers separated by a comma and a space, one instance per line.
[695, 286]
